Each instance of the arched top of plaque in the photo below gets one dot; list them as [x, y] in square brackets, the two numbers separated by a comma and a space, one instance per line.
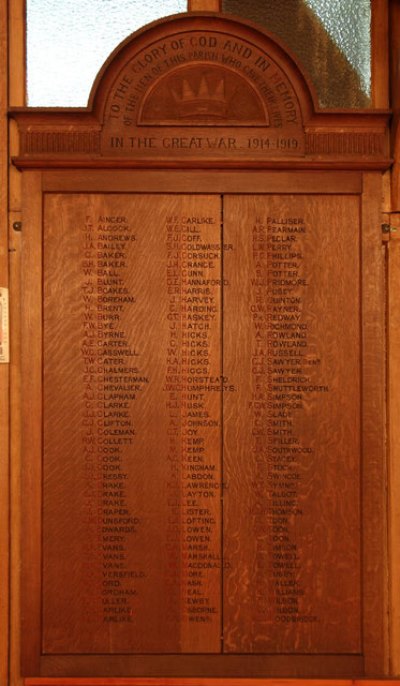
[198, 72]
[201, 87]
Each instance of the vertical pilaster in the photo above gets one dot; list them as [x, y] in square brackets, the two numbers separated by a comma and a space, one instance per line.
[4, 367]
[16, 97]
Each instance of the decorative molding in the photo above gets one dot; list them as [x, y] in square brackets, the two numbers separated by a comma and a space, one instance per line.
[202, 89]
[54, 142]
[88, 142]
[348, 143]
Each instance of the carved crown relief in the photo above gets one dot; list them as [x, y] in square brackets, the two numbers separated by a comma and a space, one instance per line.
[206, 88]
[203, 94]
[203, 77]
[200, 80]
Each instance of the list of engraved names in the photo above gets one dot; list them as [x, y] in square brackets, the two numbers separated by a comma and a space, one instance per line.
[192, 450]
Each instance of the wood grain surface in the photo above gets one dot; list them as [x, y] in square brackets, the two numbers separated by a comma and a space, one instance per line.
[394, 438]
[30, 474]
[374, 477]
[5, 500]
[203, 403]
[43, 681]
[208, 521]
[131, 429]
[168, 319]
[292, 429]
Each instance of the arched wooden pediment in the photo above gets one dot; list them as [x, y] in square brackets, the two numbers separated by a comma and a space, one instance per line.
[198, 88]
[202, 71]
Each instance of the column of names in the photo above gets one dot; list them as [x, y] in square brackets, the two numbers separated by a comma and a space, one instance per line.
[192, 388]
[112, 383]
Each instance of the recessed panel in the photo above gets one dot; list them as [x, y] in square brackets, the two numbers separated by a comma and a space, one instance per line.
[292, 427]
[132, 425]
[201, 428]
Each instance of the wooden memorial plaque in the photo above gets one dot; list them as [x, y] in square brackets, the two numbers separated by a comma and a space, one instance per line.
[291, 435]
[203, 422]
[141, 515]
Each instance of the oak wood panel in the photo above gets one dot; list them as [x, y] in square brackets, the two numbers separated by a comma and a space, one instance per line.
[394, 43]
[17, 64]
[59, 288]
[146, 681]
[4, 372]
[291, 508]
[375, 631]
[146, 568]
[204, 5]
[142, 84]
[119, 563]
[15, 453]
[16, 96]
[312, 163]
[393, 256]
[211, 666]
[31, 468]
[203, 182]
[379, 54]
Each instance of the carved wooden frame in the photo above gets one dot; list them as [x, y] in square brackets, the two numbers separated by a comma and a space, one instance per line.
[297, 136]
[73, 150]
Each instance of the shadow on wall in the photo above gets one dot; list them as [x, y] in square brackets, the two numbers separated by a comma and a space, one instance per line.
[336, 81]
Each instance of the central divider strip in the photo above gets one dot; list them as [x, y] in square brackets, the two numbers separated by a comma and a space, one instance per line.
[222, 423]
